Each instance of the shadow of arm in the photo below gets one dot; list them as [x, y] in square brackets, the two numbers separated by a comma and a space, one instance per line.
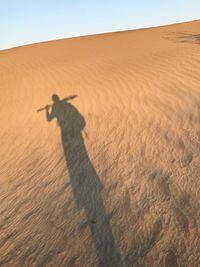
[49, 115]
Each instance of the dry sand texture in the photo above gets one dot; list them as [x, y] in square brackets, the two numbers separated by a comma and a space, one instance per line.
[128, 195]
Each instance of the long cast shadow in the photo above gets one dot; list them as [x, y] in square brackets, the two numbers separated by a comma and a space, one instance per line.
[84, 180]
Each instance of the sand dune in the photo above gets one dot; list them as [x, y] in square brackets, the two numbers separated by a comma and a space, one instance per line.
[125, 190]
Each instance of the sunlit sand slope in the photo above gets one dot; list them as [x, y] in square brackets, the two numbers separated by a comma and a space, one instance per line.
[125, 190]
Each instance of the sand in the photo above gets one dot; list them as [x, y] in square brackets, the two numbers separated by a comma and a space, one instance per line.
[124, 189]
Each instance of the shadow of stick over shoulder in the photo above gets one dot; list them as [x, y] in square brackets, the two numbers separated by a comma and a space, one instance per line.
[85, 182]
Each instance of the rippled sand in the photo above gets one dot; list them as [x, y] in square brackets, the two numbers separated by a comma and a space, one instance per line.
[126, 191]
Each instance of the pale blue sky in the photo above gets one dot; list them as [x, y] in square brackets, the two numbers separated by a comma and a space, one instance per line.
[30, 21]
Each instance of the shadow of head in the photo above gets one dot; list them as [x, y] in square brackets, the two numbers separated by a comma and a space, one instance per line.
[55, 98]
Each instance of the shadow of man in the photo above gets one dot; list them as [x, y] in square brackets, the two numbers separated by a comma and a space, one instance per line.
[85, 182]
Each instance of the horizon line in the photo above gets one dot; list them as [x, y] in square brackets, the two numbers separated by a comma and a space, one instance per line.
[98, 33]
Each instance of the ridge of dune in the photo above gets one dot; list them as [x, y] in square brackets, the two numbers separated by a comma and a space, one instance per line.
[173, 24]
[125, 192]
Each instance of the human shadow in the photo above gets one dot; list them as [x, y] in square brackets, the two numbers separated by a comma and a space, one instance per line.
[84, 180]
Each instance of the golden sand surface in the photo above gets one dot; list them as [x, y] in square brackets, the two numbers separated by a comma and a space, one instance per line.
[124, 189]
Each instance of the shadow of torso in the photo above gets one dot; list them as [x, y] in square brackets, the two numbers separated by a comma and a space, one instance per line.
[84, 180]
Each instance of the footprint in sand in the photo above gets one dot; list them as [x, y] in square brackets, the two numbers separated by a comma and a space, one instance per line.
[181, 220]
[170, 259]
[180, 144]
[186, 160]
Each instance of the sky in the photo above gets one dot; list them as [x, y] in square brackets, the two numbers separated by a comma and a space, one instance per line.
[31, 21]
